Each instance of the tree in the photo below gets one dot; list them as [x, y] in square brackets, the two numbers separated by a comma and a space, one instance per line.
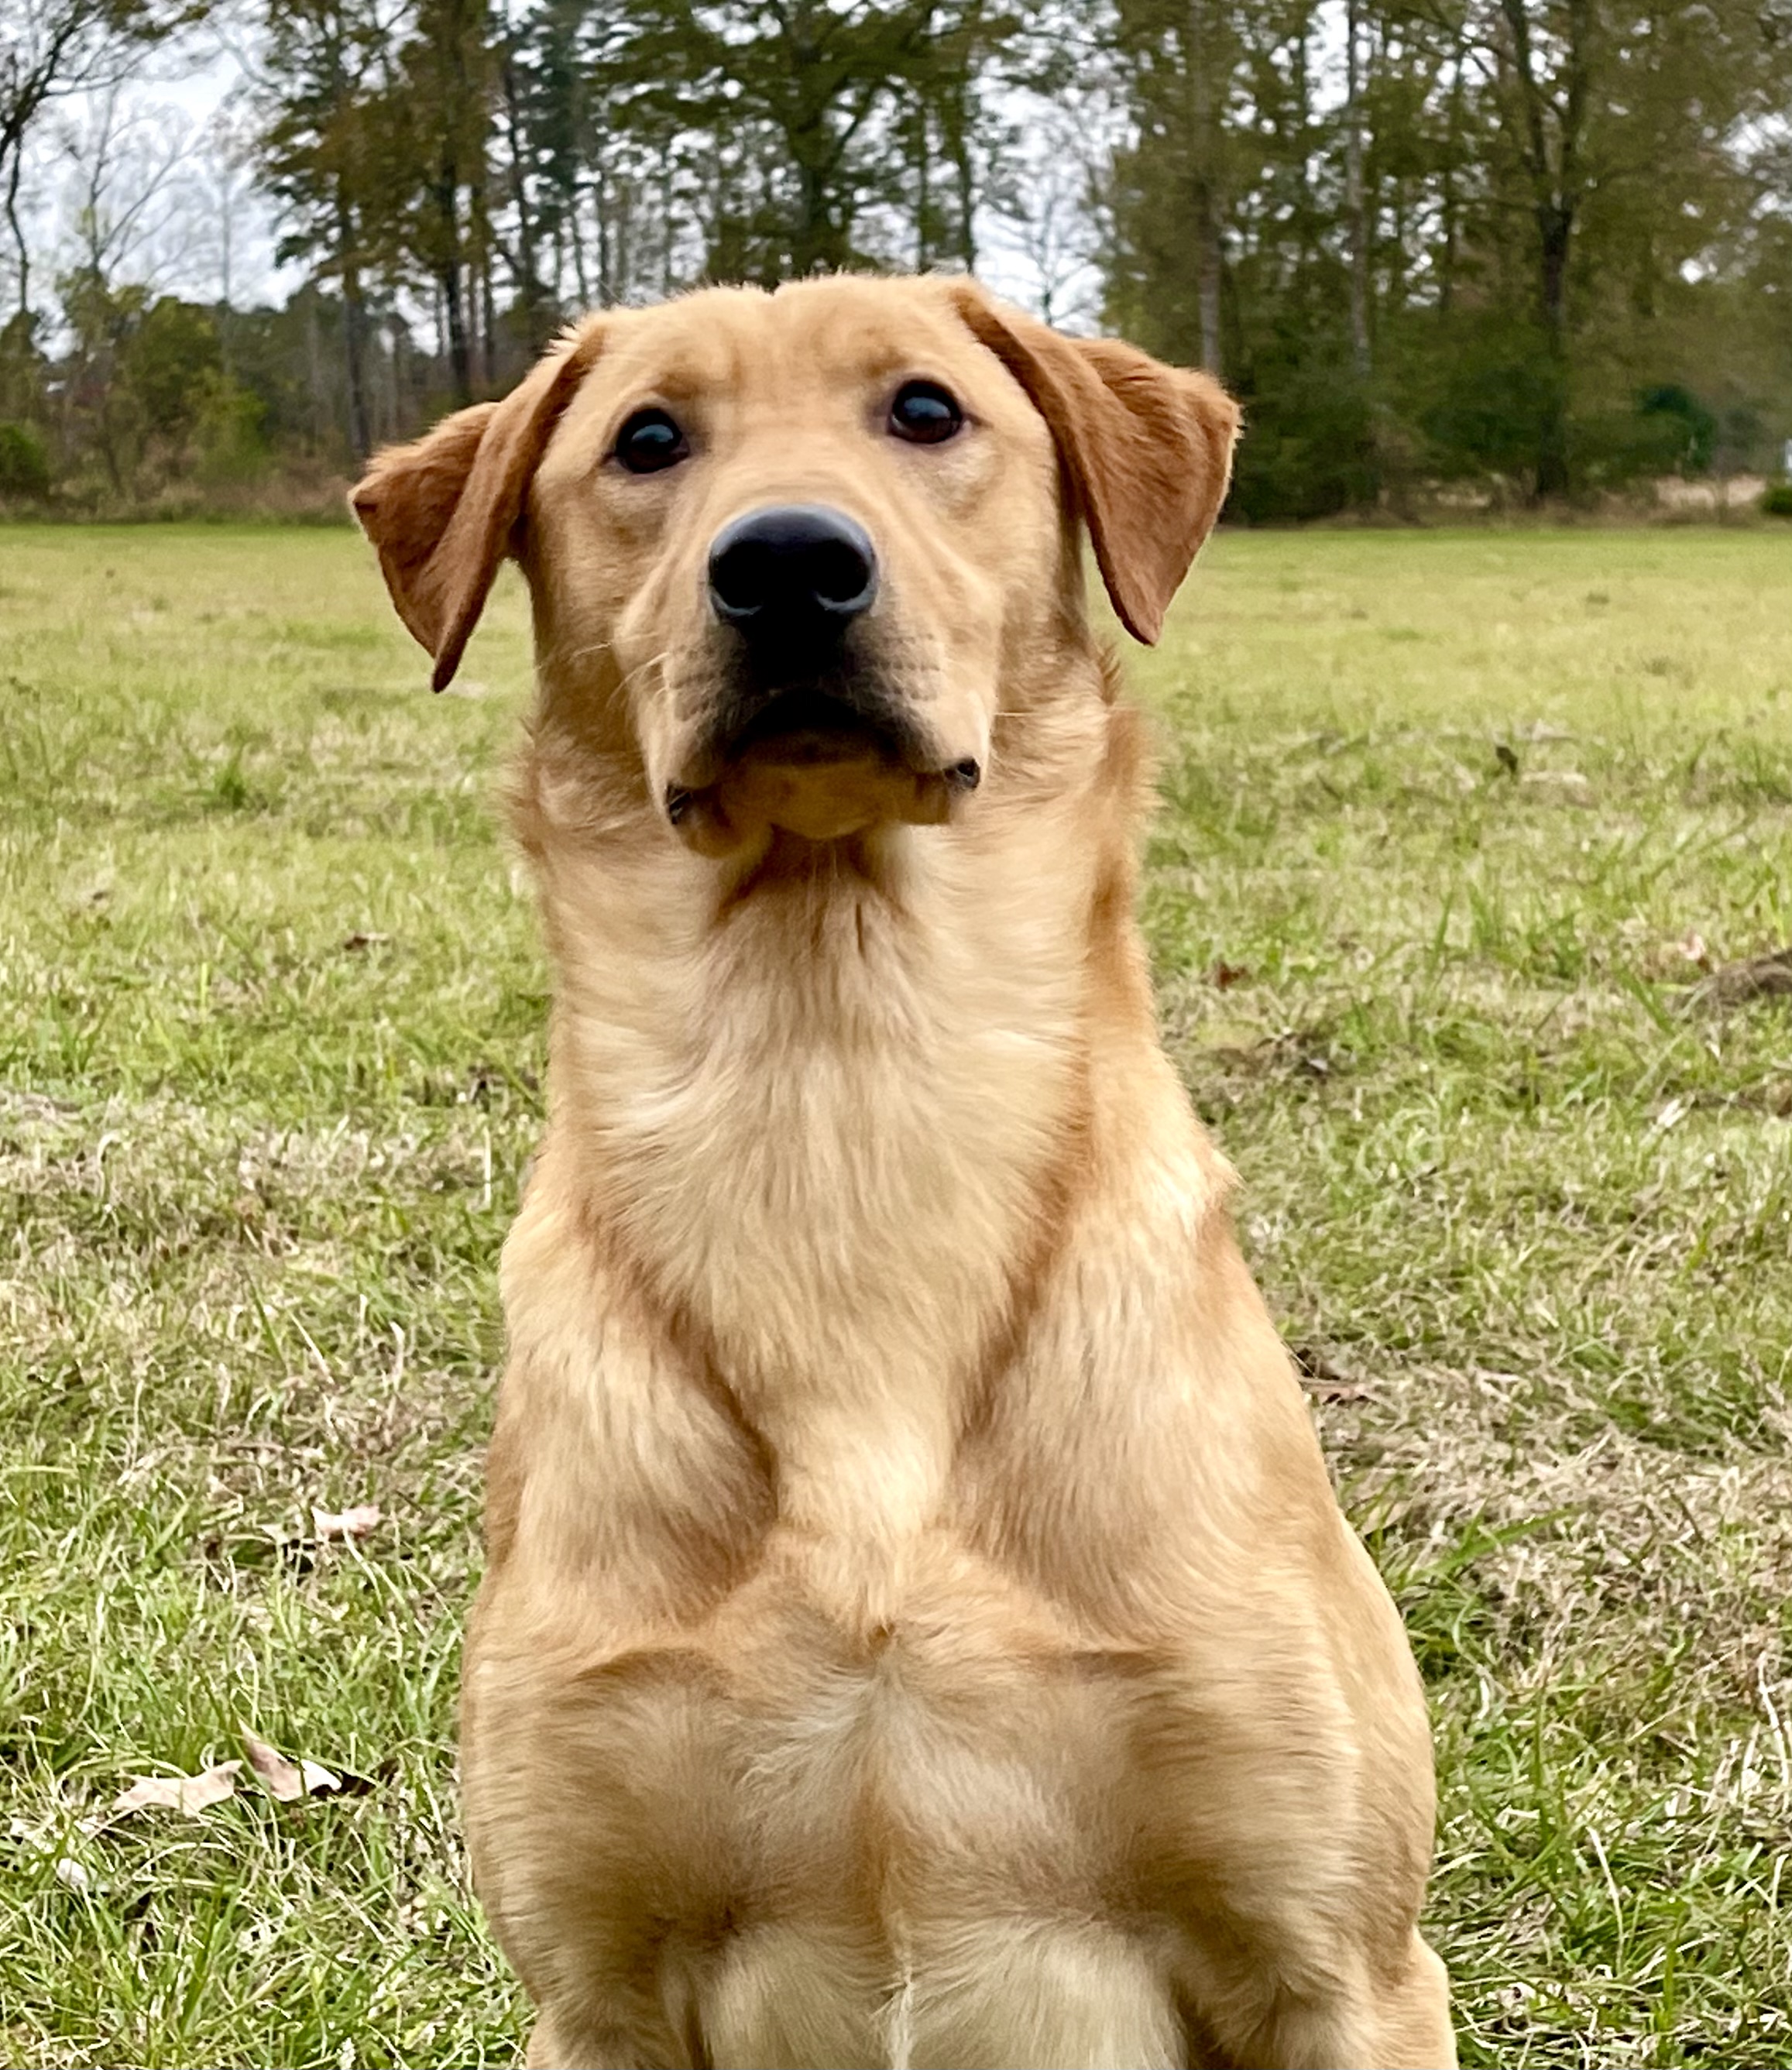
[791, 123]
[50, 49]
[129, 187]
[1356, 213]
[1463, 236]
[1543, 57]
[327, 158]
[1229, 240]
[437, 115]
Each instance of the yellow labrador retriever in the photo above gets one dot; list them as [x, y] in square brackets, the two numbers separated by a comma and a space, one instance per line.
[918, 1629]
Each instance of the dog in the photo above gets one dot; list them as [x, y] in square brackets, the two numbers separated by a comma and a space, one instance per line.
[918, 1627]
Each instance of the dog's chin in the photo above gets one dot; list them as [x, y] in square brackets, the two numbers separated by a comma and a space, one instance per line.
[812, 764]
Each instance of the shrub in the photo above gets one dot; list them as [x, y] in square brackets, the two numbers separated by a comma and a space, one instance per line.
[228, 430]
[1481, 396]
[1309, 450]
[1776, 499]
[24, 465]
[1678, 427]
[169, 361]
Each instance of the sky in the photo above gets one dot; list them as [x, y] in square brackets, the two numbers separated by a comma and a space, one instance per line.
[150, 164]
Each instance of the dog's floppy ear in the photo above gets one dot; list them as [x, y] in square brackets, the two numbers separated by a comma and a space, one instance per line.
[1148, 448]
[444, 511]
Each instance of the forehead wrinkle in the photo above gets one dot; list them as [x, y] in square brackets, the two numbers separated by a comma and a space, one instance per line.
[869, 329]
[668, 359]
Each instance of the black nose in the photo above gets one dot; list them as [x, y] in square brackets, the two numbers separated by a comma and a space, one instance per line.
[794, 572]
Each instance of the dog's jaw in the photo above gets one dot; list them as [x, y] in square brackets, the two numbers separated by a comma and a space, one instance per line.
[884, 734]
[818, 800]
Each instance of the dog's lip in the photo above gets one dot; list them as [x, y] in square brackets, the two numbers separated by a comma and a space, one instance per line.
[811, 729]
[808, 726]
[815, 725]
[799, 735]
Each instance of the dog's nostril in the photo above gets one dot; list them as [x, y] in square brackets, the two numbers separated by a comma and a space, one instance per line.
[740, 578]
[840, 575]
[792, 568]
[964, 775]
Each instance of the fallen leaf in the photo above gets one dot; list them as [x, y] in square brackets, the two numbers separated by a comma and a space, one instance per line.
[356, 1523]
[1322, 1379]
[1224, 975]
[191, 1793]
[364, 939]
[287, 1781]
[1754, 977]
[71, 1874]
[1692, 945]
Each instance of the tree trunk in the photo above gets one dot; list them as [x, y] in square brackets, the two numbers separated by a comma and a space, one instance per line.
[921, 131]
[1450, 209]
[575, 246]
[487, 299]
[1557, 187]
[15, 160]
[1555, 228]
[605, 255]
[454, 312]
[964, 165]
[1355, 208]
[354, 358]
[321, 413]
[668, 188]
[353, 331]
[527, 267]
[1209, 249]
[818, 241]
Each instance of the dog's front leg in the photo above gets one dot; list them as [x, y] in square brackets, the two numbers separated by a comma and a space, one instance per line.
[591, 2039]
[1287, 1793]
[1364, 2020]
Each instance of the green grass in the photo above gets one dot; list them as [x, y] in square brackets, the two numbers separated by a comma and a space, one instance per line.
[1441, 810]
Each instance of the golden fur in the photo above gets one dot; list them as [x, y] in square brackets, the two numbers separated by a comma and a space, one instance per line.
[919, 1629]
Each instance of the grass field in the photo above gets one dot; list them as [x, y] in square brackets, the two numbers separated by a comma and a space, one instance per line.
[1451, 822]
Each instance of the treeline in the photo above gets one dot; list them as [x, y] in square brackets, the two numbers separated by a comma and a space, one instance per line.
[1486, 249]
[1541, 244]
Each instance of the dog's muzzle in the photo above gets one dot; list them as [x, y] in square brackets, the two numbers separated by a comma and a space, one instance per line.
[809, 731]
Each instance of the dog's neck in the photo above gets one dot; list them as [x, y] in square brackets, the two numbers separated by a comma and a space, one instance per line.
[830, 1122]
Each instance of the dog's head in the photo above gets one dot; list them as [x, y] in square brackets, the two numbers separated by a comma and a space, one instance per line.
[795, 548]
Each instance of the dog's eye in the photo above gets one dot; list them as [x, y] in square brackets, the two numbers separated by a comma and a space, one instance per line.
[650, 440]
[924, 414]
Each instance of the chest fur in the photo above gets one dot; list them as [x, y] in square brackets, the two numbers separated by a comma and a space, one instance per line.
[824, 1132]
